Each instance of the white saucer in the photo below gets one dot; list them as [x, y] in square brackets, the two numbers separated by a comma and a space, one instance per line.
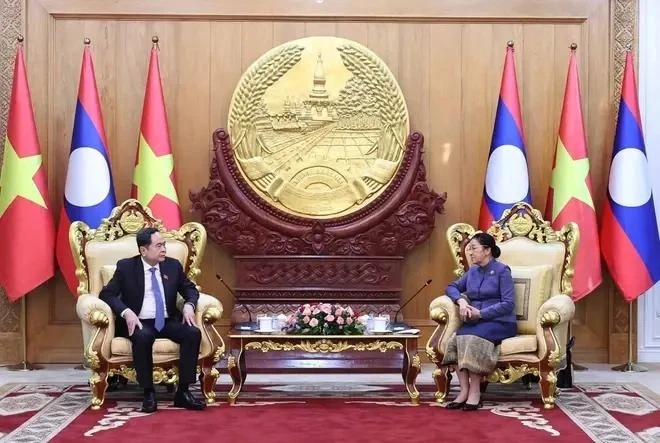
[386, 331]
[264, 332]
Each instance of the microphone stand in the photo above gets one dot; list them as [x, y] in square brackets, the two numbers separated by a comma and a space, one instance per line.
[400, 326]
[245, 325]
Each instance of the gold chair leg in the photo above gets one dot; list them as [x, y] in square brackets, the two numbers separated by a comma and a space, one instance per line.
[441, 383]
[99, 384]
[209, 379]
[548, 384]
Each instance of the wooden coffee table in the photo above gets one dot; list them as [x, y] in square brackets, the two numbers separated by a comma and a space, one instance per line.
[240, 341]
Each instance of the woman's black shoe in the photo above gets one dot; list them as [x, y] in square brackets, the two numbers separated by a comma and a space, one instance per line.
[455, 405]
[471, 407]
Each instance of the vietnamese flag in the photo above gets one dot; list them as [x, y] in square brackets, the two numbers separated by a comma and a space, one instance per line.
[153, 179]
[569, 196]
[27, 229]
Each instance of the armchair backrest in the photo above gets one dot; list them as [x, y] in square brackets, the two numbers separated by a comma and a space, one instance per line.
[532, 249]
[96, 251]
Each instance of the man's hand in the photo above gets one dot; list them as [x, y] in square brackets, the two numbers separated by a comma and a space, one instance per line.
[132, 321]
[464, 309]
[474, 313]
[189, 315]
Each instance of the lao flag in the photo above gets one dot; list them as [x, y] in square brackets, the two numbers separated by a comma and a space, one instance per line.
[89, 194]
[629, 235]
[507, 179]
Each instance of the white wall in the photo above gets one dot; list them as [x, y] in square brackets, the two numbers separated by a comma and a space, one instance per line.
[648, 313]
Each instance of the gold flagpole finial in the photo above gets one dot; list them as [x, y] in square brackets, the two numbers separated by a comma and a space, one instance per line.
[20, 38]
[573, 46]
[155, 41]
[87, 41]
[510, 43]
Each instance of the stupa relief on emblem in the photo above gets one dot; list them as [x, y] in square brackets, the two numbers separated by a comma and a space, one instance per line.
[318, 126]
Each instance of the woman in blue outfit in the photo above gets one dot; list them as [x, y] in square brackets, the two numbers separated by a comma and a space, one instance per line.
[485, 299]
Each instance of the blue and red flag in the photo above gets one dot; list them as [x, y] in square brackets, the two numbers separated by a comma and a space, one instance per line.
[89, 193]
[629, 237]
[507, 179]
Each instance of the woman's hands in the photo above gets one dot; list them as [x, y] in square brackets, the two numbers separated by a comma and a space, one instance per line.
[475, 314]
[463, 309]
[467, 312]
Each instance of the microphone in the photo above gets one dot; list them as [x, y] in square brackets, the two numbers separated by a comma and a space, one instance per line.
[245, 325]
[400, 326]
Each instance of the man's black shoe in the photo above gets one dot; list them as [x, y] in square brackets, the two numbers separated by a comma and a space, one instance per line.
[149, 403]
[184, 399]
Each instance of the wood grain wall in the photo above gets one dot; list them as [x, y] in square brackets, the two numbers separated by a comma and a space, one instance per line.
[447, 57]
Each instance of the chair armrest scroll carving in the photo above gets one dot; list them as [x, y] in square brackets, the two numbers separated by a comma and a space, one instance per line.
[444, 312]
[98, 323]
[209, 310]
[554, 316]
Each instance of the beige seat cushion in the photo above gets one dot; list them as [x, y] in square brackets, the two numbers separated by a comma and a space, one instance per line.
[519, 344]
[122, 346]
[107, 271]
[532, 288]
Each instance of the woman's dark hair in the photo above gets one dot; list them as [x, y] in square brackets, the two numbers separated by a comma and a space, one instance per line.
[487, 241]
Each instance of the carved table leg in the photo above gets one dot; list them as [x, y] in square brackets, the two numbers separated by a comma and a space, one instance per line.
[238, 373]
[411, 368]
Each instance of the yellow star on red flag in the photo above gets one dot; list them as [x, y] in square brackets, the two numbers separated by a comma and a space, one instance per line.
[16, 179]
[569, 180]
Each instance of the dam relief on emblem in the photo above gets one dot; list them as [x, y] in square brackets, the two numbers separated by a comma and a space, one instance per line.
[318, 127]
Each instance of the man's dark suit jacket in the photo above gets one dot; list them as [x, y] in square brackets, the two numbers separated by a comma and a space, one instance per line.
[126, 289]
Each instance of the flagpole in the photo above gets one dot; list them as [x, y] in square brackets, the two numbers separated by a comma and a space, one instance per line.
[24, 365]
[630, 366]
[81, 367]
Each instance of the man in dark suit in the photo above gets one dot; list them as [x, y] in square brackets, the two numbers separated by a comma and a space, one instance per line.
[142, 293]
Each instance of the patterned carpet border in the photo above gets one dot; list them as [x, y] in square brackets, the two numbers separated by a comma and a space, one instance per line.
[605, 412]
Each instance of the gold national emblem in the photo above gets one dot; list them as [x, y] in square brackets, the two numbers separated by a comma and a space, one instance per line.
[318, 126]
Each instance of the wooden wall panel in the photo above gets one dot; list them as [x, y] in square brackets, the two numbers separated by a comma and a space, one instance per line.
[447, 57]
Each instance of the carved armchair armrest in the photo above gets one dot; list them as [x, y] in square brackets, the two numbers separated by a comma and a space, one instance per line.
[98, 324]
[445, 313]
[209, 310]
[554, 318]
[206, 305]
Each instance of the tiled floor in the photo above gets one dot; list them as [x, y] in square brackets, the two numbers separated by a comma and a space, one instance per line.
[595, 373]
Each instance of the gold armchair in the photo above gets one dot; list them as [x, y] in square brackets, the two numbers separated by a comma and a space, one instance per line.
[96, 252]
[541, 262]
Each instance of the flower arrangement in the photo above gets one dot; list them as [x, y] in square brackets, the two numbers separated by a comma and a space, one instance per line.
[324, 319]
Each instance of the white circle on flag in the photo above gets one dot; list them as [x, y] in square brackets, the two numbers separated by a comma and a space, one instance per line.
[88, 177]
[507, 180]
[630, 184]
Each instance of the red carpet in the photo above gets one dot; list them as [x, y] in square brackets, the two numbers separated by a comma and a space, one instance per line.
[332, 413]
